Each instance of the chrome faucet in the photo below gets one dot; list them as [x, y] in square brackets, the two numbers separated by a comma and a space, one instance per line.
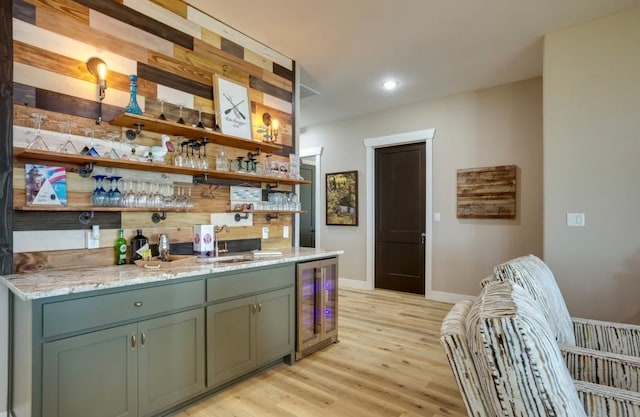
[216, 235]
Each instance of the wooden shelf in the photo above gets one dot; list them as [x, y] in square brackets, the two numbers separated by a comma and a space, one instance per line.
[175, 129]
[49, 156]
[267, 211]
[102, 209]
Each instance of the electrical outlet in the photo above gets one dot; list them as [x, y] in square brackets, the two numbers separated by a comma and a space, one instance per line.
[285, 232]
[93, 241]
[265, 233]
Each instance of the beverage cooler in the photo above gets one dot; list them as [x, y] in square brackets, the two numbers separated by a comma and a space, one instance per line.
[316, 305]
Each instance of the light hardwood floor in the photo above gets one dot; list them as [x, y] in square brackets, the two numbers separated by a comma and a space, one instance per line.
[389, 363]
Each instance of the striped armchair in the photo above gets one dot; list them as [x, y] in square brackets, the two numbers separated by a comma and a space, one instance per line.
[535, 276]
[505, 358]
[601, 352]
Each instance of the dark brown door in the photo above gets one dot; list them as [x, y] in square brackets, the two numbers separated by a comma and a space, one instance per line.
[400, 217]
[308, 201]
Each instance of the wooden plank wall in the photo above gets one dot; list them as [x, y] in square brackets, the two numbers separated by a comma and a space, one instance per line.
[175, 50]
[487, 193]
[6, 138]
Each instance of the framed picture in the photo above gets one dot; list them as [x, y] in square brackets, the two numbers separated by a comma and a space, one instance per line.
[342, 198]
[232, 108]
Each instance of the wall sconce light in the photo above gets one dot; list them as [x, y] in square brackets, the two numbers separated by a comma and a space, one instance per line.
[269, 130]
[98, 68]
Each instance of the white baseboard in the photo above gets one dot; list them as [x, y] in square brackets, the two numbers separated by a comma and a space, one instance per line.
[354, 283]
[447, 297]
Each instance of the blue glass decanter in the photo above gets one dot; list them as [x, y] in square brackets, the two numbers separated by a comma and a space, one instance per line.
[133, 103]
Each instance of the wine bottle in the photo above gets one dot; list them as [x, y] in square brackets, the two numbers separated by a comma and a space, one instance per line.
[120, 248]
[139, 244]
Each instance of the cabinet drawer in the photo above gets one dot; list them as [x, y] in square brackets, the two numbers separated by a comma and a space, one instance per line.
[248, 282]
[85, 313]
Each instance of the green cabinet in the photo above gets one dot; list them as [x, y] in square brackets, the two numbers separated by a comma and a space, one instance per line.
[91, 375]
[247, 330]
[130, 370]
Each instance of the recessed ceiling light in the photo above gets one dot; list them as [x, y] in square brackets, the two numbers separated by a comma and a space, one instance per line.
[390, 85]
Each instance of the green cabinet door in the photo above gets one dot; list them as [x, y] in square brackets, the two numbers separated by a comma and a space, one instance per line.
[275, 325]
[230, 340]
[170, 359]
[91, 375]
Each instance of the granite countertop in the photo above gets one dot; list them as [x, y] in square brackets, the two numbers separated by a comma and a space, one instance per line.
[32, 286]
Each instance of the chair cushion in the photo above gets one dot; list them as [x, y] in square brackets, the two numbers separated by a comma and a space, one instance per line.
[518, 361]
[534, 275]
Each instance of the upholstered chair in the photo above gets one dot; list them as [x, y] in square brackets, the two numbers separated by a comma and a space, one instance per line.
[504, 356]
[535, 276]
[596, 351]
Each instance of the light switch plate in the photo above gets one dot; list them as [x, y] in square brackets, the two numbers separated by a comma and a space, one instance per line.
[93, 242]
[575, 220]
[285, 232]
[265, 233]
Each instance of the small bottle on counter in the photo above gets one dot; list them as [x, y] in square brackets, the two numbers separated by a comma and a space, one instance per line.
[121, 249]
[139, 246]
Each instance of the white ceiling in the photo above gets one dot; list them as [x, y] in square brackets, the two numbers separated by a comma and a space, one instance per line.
[433, 48]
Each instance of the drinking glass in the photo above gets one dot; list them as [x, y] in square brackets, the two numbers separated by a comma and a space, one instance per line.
[67, 146]
[163, 247]
[179, 159]
[38, 141]
[200, 124]
[114, 196]
[191, 160]
[113, 153]
[156, 199]
[181, 120]
[90, 150]
[142, 197]
[129, 196]
[99, 195]
[162, 116]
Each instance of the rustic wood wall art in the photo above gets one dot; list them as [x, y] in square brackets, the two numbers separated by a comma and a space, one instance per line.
[487, 193]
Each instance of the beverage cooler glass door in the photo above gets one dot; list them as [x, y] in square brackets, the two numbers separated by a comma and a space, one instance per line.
[330, 299]
[309, 321]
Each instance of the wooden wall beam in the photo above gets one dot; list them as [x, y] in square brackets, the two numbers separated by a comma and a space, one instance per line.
[134, 18]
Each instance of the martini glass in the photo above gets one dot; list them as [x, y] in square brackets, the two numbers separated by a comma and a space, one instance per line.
[38, 141]
[67, 146]
[113, 153]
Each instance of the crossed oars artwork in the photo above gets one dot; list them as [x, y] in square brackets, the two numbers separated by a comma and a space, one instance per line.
[232, 103]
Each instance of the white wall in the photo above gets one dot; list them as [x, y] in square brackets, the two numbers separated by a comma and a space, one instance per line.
[496, 126]
[592, 165]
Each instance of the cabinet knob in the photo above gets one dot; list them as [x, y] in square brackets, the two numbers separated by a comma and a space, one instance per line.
[138, 304]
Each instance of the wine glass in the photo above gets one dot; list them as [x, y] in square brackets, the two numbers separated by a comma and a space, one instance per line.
[129, 196]
[142, 197]
[179, 160]
[181, 120]
[200, 124]
[162, 116]
[202, 159]
[99, 195]
[114, 196]
[67, 146]
[38, 141]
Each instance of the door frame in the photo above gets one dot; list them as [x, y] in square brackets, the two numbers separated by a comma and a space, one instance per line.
[371, 144]
[317, 183]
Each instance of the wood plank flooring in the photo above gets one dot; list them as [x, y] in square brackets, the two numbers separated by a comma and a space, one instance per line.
[389, 363]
